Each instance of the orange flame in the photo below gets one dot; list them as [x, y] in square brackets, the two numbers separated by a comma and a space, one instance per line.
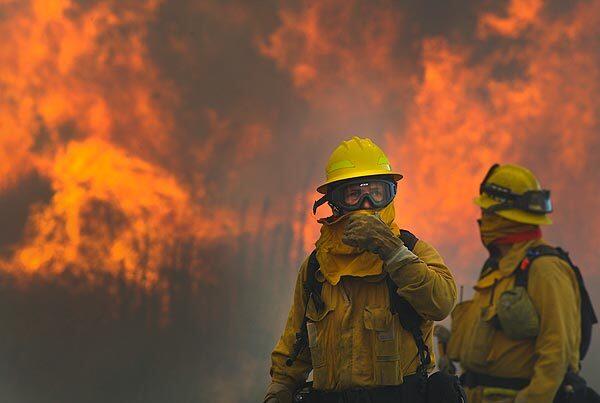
[82, 106]
[105, 206]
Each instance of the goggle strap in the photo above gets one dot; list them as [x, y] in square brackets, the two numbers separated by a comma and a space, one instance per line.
[500, 207]
[487, 176]
[508, 205]
[497, 191]
[319, 203]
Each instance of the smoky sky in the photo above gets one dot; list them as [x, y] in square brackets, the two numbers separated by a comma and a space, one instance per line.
[221, 68]
[210, 52]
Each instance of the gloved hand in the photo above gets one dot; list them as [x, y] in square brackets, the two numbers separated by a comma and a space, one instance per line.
[278, 393]
[368, 232]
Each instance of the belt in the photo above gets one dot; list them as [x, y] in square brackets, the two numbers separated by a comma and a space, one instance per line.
[472, 379]
[405, 392]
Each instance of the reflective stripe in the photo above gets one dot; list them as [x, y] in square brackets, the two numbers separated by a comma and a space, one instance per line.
[340, 165]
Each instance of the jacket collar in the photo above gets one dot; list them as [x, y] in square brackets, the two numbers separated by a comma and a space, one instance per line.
[507, 263]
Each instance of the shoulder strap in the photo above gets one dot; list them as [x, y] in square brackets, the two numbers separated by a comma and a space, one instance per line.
[588, 316]
[522, 272]
[313, 287]
[409, 319]
[408, 239]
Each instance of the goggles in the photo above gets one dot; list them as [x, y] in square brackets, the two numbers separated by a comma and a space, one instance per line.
[351, 195]
[532, 201]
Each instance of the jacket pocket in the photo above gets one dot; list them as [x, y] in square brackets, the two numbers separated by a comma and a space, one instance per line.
[316, 327]
[459, 328]
[385, 340]
[480, 341]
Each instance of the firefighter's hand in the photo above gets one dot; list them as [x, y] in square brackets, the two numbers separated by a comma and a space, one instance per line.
[368, 232]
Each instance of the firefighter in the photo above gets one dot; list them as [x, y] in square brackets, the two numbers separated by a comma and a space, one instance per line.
[364, 275]
[519, 337]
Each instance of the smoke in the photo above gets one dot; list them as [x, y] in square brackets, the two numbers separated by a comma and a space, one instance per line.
[129, 128]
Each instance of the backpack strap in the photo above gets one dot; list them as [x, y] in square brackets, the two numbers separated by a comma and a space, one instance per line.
[522, 271]
[409, 239]
[409, 319]
[588, 316]
[313, 287]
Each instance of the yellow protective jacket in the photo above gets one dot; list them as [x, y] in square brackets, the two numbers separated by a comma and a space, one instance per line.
[355, 341]
[554, 292]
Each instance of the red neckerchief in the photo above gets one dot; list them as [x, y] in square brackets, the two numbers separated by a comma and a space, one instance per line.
[519, 237]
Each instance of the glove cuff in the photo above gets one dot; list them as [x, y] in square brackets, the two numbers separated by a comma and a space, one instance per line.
[402, 257]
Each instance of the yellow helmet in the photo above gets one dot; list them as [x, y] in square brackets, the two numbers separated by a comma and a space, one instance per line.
[356, 158]
[513, 192]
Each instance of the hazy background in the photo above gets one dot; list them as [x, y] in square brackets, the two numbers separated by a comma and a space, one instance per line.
[159, 160]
